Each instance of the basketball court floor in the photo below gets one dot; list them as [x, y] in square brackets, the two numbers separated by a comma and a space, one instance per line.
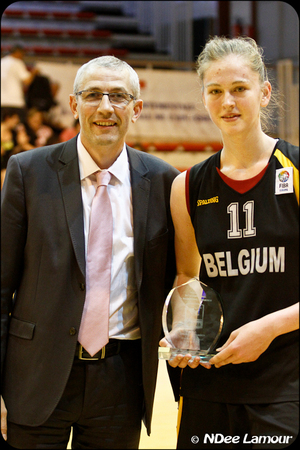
[164, 419]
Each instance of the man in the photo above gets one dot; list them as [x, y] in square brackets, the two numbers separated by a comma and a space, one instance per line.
[51, 382]
[14, 78]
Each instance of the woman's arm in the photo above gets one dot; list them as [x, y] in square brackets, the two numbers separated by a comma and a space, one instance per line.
[187, 256]
[248, 342]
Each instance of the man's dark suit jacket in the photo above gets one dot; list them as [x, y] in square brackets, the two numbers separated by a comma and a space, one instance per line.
[43, 265]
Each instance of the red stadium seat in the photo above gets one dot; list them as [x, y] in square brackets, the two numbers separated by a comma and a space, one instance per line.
[40, 50]
[7, 30]
[61, 15]
[67, 50]
[38, 14]
[88, 51]
[28, 31]
[120, 52]
[13, 13]
[52, 32]
[101, 33]
[77, 33]
[83, 15]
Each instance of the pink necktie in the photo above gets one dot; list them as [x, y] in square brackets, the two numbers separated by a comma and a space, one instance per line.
[93, 332]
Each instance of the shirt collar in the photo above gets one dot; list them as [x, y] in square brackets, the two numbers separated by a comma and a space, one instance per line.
[87, 165]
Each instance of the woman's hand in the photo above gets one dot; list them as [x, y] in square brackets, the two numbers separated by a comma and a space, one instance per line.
[245, 344]
[248, 342]
[183, 360]
[3, 420]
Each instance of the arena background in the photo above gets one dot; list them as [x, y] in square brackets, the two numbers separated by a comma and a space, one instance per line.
[161, 40]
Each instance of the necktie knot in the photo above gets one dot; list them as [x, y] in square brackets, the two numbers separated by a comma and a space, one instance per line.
[103, 177]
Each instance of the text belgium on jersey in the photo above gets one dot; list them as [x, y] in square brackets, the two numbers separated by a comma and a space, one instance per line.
[247, 261]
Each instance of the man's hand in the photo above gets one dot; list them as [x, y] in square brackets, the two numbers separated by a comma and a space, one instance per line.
[3, 420]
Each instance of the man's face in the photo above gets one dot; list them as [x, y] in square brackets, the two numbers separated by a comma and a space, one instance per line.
[104, 127]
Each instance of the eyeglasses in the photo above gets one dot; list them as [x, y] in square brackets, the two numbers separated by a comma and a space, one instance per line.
[94, 98]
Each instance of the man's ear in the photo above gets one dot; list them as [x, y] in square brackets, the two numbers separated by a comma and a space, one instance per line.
[73, 106]
[137, 109]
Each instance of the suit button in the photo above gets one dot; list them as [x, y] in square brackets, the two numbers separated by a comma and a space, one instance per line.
[72, 331]
[82, 286]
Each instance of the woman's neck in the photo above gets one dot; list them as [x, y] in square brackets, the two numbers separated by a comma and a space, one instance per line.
[243, 158]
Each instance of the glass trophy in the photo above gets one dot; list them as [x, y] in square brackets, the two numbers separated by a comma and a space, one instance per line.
[192, 321]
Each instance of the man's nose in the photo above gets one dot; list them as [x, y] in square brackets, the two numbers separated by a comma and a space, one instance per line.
[105, 104]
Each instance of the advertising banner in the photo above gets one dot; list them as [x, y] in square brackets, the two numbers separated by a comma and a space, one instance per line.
[173, 114]
[173, 111]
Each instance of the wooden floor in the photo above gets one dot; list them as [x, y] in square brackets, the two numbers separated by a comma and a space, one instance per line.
[164, 418]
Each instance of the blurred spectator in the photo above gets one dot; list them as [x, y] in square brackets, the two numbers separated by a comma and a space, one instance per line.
[14, 139]
[9, 121]
[22, 140]
[40, 134]
[58, 117]
[40, 94]
[14, 78]
[71, 132]
[2, 176]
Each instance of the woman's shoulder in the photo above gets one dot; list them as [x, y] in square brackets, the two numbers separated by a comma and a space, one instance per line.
[284, 149]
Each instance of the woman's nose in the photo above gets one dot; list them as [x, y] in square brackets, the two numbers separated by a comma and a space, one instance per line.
[228, 99]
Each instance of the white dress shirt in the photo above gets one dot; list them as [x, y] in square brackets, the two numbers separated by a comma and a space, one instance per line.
[123, 320]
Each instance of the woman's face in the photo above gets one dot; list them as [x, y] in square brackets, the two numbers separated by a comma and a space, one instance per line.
[12, 121]
[233, 95]
[35, 121]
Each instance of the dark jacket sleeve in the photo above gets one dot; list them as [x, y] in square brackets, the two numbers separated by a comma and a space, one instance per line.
[13, 240]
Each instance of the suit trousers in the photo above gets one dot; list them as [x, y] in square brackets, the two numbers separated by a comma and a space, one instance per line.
[102, 401]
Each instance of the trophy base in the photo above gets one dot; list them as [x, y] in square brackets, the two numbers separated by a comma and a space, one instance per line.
[169, 353]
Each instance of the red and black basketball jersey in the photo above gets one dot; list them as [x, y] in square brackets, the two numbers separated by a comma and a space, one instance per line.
[247, 234]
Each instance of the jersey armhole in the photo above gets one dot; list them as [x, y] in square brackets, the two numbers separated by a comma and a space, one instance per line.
[187, 190]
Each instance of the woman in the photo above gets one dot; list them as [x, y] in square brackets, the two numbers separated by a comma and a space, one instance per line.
[246, 231]
[40, 134]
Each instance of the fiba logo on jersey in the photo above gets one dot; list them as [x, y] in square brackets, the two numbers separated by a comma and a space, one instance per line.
[284, 181]
[284, 176]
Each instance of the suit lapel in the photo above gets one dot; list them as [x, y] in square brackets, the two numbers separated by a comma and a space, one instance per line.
[69, 179]
[140, 186]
